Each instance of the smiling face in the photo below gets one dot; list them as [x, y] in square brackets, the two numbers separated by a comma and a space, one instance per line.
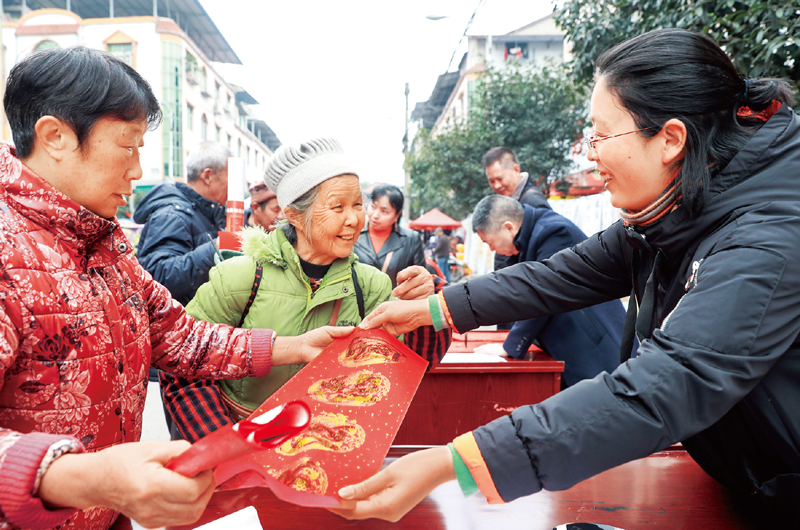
[382, 215]
[101, 175]
[337, 218]
[635, 169]
[504, 177]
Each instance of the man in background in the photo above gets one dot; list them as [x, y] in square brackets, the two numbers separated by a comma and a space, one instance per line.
[506, 179]
[264, 209]
[179, 239]
[587, 340]
[442, 253]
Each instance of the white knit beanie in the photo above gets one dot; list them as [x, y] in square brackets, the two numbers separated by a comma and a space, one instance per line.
[295, 170]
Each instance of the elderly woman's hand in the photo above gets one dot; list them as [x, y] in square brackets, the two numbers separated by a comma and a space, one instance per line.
[413, 283]
[304, 348]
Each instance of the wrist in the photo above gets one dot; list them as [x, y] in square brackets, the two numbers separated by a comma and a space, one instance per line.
[286, 350]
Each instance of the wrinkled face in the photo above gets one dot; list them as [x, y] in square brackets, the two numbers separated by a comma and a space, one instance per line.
[382, 215]
[503, 180]
[267, 215]
[218, 186]
[501, 241]
[631, 165]
[337, 218]
[100, 176]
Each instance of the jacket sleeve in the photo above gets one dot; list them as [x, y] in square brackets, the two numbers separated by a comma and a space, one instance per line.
[592, 272]
[196, 349]
[24, 456]
[522, 335]
[170, 256]
[722, 338]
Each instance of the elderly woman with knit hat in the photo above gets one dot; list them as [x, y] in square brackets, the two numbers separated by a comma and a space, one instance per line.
[309, 277]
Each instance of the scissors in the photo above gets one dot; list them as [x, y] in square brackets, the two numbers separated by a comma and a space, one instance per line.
[268, 430]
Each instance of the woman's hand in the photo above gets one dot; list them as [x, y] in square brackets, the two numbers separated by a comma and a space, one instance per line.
[399, 487]
[130, 478]
[398, 317]
[304, 348]
[414, 283]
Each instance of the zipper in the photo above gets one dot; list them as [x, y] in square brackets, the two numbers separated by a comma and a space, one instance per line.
[692, 281]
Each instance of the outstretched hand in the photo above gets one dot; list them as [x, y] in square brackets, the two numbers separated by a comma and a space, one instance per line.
[398, 317]
[308, 345]
[396, 489]
[414, 283]
[130, 478]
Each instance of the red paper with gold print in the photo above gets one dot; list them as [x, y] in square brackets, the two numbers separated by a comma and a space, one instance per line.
[358, 389]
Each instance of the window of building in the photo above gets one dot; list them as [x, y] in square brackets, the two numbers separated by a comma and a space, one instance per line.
[204, 128]
[192, 69]
[219, 134]
[190, 117]
[46, 44]
[239, 150]
[516, 50]
[123, 47]
[247, 160]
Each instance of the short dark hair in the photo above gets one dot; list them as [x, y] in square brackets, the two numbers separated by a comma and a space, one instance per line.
[78, 86]
[504, 155]
[393, 193]
[680, 74]
[493, 211]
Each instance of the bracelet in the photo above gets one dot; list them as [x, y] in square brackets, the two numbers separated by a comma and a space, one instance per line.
[465, 480]
[436, 313]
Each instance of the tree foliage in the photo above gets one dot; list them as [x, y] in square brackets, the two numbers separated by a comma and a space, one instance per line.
[537, 112]
[762, 37]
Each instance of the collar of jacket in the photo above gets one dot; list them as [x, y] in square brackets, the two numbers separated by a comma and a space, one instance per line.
[741, 186]
[392, 243]
[523, 237]
[213, 210]
[275, 249]
[37, 200]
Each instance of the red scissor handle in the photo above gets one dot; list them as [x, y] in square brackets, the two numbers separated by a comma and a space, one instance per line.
[247, 436]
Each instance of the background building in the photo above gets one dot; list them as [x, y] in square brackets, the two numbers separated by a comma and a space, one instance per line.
[173, 44]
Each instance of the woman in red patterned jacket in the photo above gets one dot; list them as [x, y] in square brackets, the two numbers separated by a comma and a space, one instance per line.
[81, 321]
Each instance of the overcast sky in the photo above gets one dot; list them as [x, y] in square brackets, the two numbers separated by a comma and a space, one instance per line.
[339, 68]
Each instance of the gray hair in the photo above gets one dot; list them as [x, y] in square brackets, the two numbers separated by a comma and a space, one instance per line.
[212, 155]
[495, 210]
[304, 204]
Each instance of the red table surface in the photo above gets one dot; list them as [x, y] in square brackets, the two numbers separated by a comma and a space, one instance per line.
[666, 490]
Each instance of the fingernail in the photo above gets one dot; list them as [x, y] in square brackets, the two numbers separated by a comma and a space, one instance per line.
[347, 492]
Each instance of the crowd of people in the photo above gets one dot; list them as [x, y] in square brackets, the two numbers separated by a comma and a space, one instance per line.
[699, 159]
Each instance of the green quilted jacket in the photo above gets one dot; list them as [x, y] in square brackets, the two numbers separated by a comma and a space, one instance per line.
[284, 303]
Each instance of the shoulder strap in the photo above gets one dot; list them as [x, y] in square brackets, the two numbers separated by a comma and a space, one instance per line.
[359, 294]
[253, 293]
[386, 261]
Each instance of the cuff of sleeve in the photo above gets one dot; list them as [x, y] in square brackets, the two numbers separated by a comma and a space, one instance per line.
[458, 304]
[464, 477]
[470, 453]
[437, 315]
[261, 349]
[438, 283]
[20, 467]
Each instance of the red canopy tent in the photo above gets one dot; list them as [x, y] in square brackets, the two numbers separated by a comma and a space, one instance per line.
[432, 220]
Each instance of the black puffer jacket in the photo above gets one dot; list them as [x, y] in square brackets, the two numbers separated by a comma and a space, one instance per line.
[720, 370]
[176, 242]
[404, 244]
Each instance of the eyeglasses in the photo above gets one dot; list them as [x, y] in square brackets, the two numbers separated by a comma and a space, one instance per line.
[591, 141]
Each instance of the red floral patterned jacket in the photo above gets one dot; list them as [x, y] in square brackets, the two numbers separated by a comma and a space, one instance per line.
[80, 324]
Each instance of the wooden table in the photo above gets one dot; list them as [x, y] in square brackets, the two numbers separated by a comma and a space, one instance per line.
[455, 398]
[667, 490]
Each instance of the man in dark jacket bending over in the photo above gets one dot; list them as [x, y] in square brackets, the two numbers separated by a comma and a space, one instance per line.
[181, 221]
[586, 340]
